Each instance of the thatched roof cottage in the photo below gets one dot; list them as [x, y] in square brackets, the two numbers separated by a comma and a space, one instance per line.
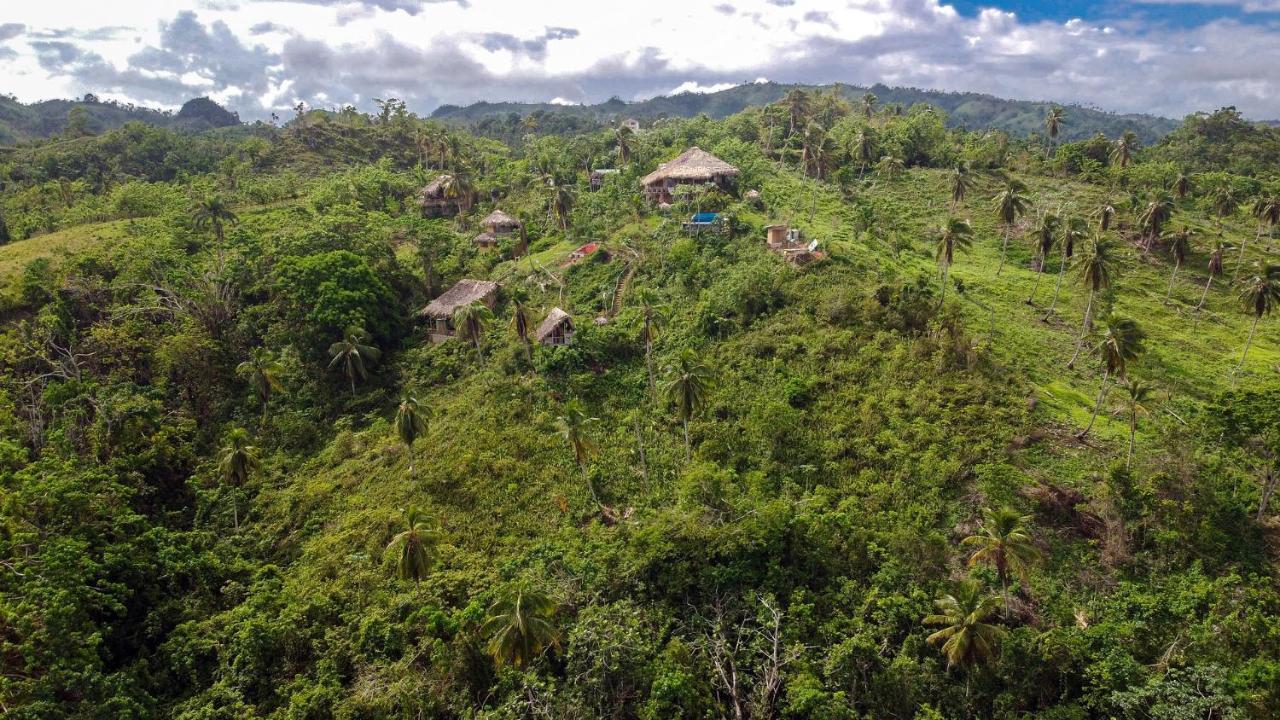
[465, 292]
[500, 223]
[434, 200]
[693, 166]
[556, 328]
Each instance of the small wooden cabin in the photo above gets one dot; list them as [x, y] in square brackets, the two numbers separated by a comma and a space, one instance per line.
[466, 292]
[434, 198]
[556, 329]
[693, 167]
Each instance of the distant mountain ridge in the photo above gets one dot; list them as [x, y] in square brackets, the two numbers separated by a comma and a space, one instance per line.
[963, 109]
[21, 122]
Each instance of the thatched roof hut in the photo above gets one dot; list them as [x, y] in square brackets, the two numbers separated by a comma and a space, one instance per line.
[464, 293]
[499, 222]
[692, 166]
[434, 200]
[556, 328]
[434, 189]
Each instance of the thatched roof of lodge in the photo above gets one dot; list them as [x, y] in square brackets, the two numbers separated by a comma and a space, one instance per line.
[500, 219]
[464, 293]
[554, 319]
[434, 190]
[694, 164]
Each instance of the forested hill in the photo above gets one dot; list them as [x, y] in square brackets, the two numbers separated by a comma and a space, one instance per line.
[21, 122]
[1019, 118]
[1006, 447]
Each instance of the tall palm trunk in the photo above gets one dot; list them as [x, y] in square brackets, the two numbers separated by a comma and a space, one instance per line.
[1133, 429]
[1102, 393]
[648, 360]
[1004, 249]
[1057, 287]
[1174, 276]
[1248, 342]
[1203, 295]
[1235, 275]
[1084, 330]
[688, 446]
[644, 464]
[1035, 287]
[946, 273]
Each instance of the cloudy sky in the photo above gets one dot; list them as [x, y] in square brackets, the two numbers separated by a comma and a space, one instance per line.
[1168, 57]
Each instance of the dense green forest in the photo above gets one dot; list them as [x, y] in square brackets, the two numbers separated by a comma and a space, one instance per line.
[22, 123]
[1005, 449]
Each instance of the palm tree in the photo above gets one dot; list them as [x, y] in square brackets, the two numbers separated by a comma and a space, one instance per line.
[1179, 247]
[1046, 234]
[1074, 230]
[1121, 343]
[471, 321]
[797, 103]
[1215, 269]
[236, 462]
[652, 317]
[263, 374]
[890, 168]
[1225, 203]
[623, 135]
[688, 387]
[352, 352]
[868, 104]
[1125, 146]
[1266, 210]
[1053, 124]
[961, 182]
[862, 148]
[1096, 268]
[559, 198]
[519, 627]
[1181, 186]
[1005, 543]
[459, 187]
[1106, 214]
[213, 212]
[410, 546]
[1157, 212]
[966, 638]
[1011, 203]
[521, 320]
[411, 424]
[955, 234]
[572, 426]
[1136, 393]
[1259, 294]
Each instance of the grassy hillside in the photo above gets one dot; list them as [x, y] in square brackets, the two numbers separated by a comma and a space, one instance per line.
[856, 427]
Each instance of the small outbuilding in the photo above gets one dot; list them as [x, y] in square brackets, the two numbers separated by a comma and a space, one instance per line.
[434, 198]
[598, 177]
[694, 166]
[466, 292]
[498, 223]
[556, 328]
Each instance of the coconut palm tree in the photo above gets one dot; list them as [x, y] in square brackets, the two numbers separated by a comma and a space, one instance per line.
[1158, 211]
[559, 199]
[459, 187]
[1125, 146]
[352, 353]
[236, 462]
[1179, 245]
[1225, 203]
[1005, 544]
[471, 321]
[1260, 295]
[1215, 269]
[213, 212]
[623, 136]
[1121, 343]
[1106, 215]
[1046, 234]
[572, 426]
[411, 424]
[1136, 393]
[1181, 186]
[955, 234]
[1096, 268]
[522, 320]
[519, 627]
[413, 558]
[966, 639]
[263, 373]
[1074, 230]
[689, 384]
[868, 104]
[890, 168]
[1010, 203]
[1053, 121]
[652, 317]
[961, 182]
[862, 148]
[1266, 210]
[798, 106]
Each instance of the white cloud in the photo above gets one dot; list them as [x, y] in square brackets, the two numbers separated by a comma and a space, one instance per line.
[693, 86]
[264, 55]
